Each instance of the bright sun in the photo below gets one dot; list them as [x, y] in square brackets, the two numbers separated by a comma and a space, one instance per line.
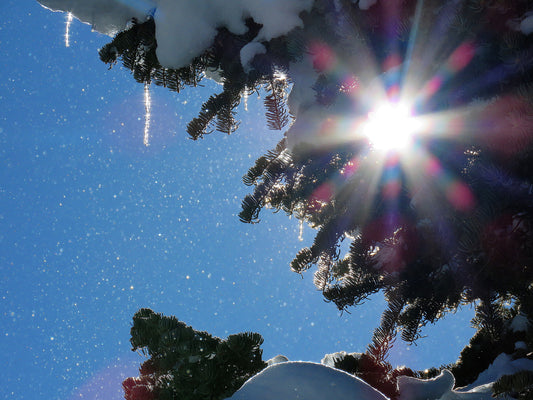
[390, 127]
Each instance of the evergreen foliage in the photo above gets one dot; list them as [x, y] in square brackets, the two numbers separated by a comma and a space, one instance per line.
[379, 374]
[433, 260]
[433, 278]
[189, 364]
[463, 236]
[519, 384]
[136, 47]
[496, 334]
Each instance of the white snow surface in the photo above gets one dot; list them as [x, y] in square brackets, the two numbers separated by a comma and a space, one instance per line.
[502, 365]
[292, 380]
[248, 52]
[185, 28]
[526, 26]
[277, 359]
[520, 345]
[366, 4]
[415, 389]
[520, 323]
[330, 359]
[297, 380]
[439, 388]
[105, 16]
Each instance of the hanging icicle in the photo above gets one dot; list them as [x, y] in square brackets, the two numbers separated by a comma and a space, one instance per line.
[67, 29]
[147, 114]
[245, 98]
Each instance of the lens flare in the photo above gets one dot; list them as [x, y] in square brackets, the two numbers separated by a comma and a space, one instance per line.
[390, 127]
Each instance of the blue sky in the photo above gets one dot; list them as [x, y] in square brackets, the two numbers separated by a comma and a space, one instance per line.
[93, 225]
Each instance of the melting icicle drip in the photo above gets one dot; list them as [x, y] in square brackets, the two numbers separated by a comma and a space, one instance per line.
[245, 98]
[147, 114]
[67, 29]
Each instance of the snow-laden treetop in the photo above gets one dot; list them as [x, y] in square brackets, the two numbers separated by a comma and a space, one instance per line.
[190, 27]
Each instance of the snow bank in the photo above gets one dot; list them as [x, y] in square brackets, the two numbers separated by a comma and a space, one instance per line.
[520, 323]
[287, 380]
[502, 365]
[417, 389]
[441, 387]
[438, 388]
[305, 381]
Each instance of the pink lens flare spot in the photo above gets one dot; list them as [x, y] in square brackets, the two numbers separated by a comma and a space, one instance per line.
[350, 84]
[391, 189]
[462, 56]
[321, 196]
[323, 57]
[392, 61]
[432, 86]
[328, 127]
[460, 196]
[433, 167]
[456, 126]
[350, 167]
[383, 228]
[393, 93]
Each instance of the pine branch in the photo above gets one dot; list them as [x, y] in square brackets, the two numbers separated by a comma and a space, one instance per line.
[275, 103]
[384, 335]
[519, 384]
[261, 164]
[272, 171]
[198, 127]
[251, 206]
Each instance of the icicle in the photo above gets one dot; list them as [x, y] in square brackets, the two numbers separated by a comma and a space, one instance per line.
[147, 114]
[67, 29]
[301, 233]
[245, 98]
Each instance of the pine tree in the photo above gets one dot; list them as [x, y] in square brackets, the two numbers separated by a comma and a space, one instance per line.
[189, 364]
[450, 226]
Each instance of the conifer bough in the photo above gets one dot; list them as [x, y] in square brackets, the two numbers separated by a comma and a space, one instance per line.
[447, 221]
